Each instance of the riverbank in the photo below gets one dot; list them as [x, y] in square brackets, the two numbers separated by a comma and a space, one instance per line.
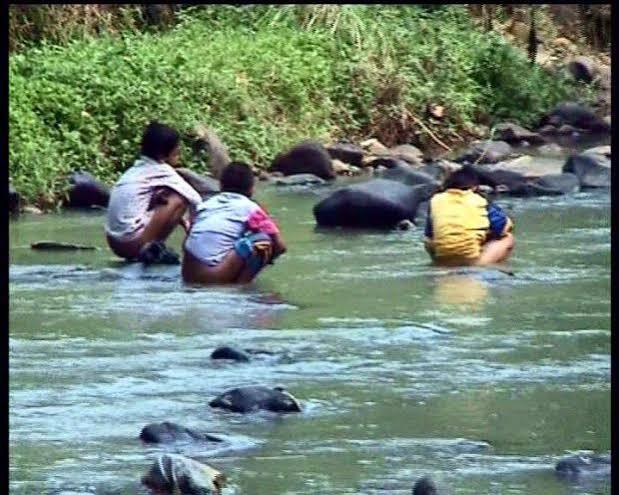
[266, 78]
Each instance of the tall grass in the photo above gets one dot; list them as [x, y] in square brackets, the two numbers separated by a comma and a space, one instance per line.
[263, 77]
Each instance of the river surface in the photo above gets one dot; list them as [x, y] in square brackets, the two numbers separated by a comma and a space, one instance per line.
[480, 379]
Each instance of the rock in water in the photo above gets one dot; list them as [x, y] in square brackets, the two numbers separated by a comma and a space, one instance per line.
[206, 186]
[167, 432]
[249, 399]
[85, 191]
[14, 200]
[406, 174]
[514, 134]
[308, 157]
[578, 466]
[486, 152]
[378, 203]
[59, 246]
[176, 474]
[299, 180]
[591, 167]
[347, 153]
[226, 352]
[425, 486]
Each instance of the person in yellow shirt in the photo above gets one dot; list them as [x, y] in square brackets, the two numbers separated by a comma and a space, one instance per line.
[463, 228]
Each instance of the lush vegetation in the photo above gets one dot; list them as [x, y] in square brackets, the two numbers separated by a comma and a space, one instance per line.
[263, 77]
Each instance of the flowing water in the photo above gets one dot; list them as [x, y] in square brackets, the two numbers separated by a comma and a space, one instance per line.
[480, 379]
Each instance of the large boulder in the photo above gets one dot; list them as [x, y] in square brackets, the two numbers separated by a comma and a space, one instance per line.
[299, 180]
[584, 465]
[175, 474]
[254, 398]
[347, 153]
[231, 353]
[86, 191]
[514, 134]
[206, 186]
[591, 167]
[308, 157]
[405, 174]
[378, 203]
[167, 432]
[486, 152]
[583, 69]
[574, 115]
[14, 200]
[425, 486]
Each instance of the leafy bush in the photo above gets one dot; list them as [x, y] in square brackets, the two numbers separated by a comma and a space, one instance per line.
[263, 77]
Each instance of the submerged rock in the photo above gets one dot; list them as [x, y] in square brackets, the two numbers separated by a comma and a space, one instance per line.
[308, 157]
[299, 180]
[59, 246]
[86, 191]
[591, 167]
[378, 203]
[425, 486]
[226, 352]
[583, 465]
[167, 432]
[175, 474]
[254, 398]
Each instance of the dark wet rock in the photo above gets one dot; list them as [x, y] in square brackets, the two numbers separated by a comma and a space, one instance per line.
[226, 352]
[157, 253]
[498, 177]
[383, 162]
[564, 183]
[254, 398]
[14, 200]
[515, 134]
[175, 474]
[299, 180]
[378, 203]
[347, 153]
[405, 225]
[405, 174]
[59, 246]
[591, 168]
[584, 465]
[425, 486]
[167, 432]
[86, 191]
[583, 69]
[435, 170]
[308, 157]
[486, 152]
[575, 115]
[516, 184]
[206, 186]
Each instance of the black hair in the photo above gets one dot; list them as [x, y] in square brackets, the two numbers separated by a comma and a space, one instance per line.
[159, 140]
[465, 178]
[237, 177]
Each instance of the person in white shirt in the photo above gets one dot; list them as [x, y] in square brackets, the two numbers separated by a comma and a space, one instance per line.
[231, 237]
[150, 199]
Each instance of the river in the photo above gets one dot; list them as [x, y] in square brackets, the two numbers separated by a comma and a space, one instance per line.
[479, 379]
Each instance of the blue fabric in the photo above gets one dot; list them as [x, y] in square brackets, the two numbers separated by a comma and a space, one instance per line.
[428, 232]
[244, 247]
[497, 219]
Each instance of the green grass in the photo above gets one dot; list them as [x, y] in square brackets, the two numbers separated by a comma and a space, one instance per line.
[263, 77]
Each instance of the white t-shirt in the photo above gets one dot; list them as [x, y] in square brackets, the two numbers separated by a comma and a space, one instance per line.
[127, 211]
[219, 222]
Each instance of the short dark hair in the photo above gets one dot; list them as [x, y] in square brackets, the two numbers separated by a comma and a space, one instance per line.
[159, 140]
[237, 177]
[465, 178]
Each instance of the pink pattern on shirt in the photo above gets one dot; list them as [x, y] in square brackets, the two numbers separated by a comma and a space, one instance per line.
[259, 221]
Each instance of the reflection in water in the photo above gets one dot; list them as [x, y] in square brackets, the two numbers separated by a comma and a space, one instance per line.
[460, 289]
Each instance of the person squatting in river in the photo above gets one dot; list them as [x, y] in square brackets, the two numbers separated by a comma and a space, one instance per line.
[463, 228]
[231, 237]
[150, 199]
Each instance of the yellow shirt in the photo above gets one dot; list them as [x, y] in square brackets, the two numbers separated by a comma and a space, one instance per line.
[459, 223]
